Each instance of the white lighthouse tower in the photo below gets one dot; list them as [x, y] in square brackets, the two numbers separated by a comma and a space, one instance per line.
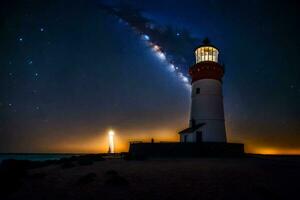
[207, 113]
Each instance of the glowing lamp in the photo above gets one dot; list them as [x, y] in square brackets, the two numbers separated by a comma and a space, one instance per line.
[206, 52]
[111, 146]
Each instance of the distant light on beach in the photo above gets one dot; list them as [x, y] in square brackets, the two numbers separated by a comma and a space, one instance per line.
[111, 146]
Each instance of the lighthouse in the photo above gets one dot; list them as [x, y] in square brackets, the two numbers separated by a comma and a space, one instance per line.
[206, 134]
[207, 123]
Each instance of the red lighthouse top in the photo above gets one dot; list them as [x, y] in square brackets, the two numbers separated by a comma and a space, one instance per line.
[207, 65]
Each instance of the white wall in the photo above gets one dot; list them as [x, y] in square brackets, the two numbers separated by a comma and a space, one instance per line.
[207, 107]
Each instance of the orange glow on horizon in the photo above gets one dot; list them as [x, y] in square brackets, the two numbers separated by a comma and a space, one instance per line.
[275, 151]
[97, 141]
[100, 145]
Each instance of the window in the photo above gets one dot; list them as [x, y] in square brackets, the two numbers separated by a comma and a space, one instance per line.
[197, 90]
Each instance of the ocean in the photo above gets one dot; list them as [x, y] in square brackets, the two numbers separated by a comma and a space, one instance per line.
[34, 157]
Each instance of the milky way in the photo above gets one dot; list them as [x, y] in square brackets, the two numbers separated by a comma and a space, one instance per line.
[166, 42]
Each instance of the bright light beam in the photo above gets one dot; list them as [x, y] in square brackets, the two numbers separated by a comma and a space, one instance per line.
[111, 145]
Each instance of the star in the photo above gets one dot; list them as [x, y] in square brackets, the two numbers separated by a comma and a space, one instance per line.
[30, 62]
[42, 29]
[146, 37]
[21, 39]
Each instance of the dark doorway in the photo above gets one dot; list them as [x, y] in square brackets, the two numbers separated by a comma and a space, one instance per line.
[185, 138]
[199, 136]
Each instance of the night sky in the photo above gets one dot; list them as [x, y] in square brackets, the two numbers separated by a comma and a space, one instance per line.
[70, 71]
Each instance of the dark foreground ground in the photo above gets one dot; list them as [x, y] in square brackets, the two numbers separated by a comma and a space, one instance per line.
[199, 178]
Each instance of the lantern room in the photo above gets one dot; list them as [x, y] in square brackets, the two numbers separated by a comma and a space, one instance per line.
[207, 64]
[206, 53]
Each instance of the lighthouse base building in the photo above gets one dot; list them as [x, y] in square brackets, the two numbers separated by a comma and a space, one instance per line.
[206, 133]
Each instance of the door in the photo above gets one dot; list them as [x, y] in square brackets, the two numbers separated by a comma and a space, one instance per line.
[199, 136]
[185, 138]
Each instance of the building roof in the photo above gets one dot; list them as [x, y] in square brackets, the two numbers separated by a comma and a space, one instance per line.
[206, 43]
[191, 129]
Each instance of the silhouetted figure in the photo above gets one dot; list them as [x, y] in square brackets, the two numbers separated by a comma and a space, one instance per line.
[152, 140]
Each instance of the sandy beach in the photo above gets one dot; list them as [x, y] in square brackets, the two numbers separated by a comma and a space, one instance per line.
[199, 178]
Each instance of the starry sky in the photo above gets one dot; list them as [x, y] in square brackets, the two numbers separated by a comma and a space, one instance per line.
[70, 71]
